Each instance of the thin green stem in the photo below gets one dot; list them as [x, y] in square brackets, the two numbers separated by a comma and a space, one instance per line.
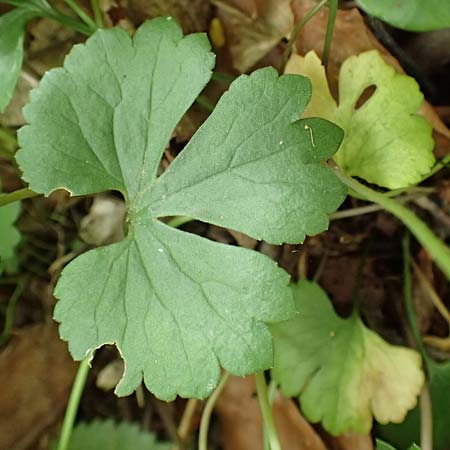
[5, 153]
[297, 28]
[426, 414]
[266, 410]
[203, 101]
[98, 15]
[407, 292]
[81, 14]
[438, 166]
[16, 196]
[435, 247]
[68, 21]
[9, 315]
[9, 140]
[177, 221]
[206, 415]
[74, 402]
[333, 6]
[223, 77]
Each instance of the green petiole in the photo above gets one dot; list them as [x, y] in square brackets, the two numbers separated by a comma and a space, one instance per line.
[435, 247]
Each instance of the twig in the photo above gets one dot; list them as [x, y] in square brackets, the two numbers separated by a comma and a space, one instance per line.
[184, 428]
[430, 291]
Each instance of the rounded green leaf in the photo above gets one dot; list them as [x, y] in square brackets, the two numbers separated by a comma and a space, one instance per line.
[343, 373]
[413, 15]
[107, 435]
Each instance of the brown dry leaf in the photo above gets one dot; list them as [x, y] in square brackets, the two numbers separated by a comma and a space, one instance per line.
[241, 422]
[351, 37]
[192, 15]
[253, 27]
[350, 442]
[36, 375]
[12, 117]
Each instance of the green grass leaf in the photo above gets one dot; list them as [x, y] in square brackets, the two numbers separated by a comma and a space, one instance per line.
[385, 141]
[107, 435]
[343, 373]
[381, 445]
[9, 235]
[177, 306]
[12, 31]
[412, 15]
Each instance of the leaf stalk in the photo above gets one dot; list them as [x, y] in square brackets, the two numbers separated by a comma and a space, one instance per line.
[74, 402]
[16, 196]
[266, 410]
[438, 251]
[207, 412]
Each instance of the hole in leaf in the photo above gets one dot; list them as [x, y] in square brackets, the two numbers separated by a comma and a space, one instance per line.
[365, 96]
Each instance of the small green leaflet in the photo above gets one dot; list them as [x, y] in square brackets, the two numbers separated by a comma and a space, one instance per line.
[178, 306]
[384, 446]
[385, 142]
[107, 435]
[12, 30]
[412, 15]
[9, 236]
[342, 372]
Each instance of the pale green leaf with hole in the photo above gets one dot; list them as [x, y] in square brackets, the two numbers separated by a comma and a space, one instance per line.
[385, 141]
[107, 435]
[9, 235]
[177, 306]
[344, 374]
[412, 15]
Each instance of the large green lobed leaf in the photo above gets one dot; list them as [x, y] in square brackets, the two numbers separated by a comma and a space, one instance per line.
[177, 306]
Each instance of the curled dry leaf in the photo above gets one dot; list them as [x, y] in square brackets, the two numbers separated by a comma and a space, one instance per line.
[241, 421]
[254, 27]
[36, 371]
